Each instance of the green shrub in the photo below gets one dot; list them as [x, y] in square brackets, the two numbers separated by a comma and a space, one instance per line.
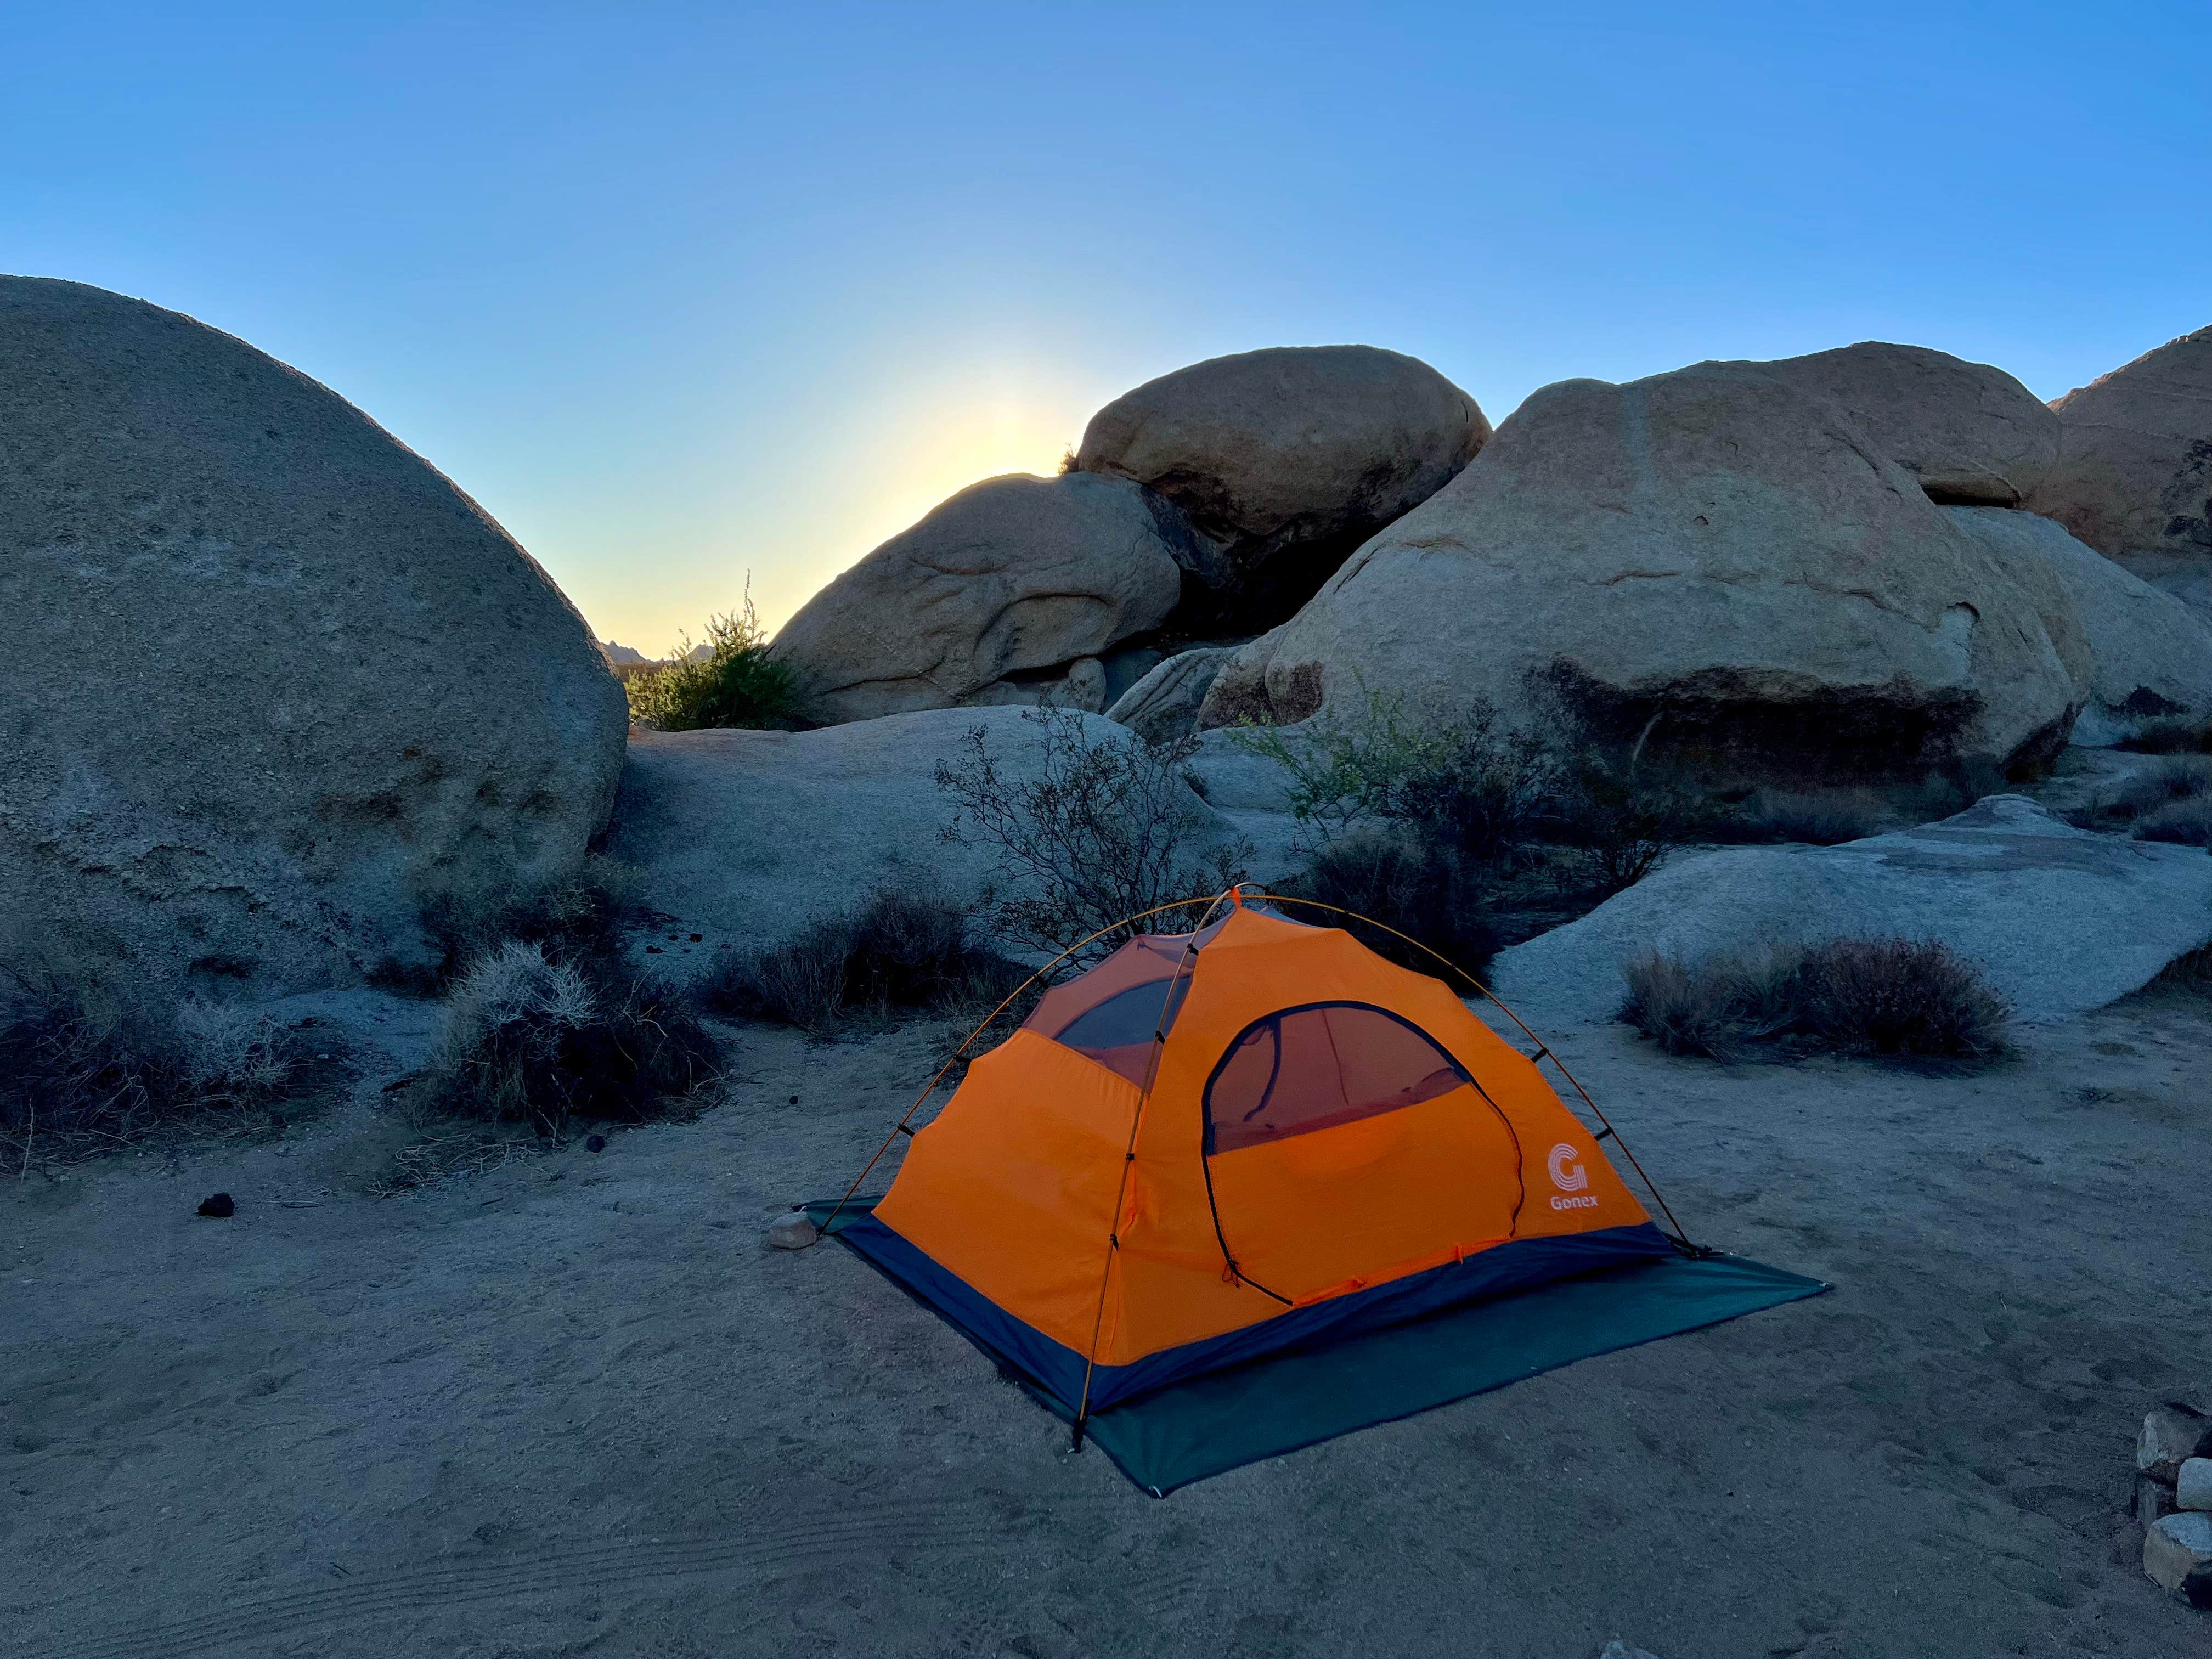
[734, 682]
[1823, 819]
[1110, 828]
[1468, 783]
[1886, 998]
[1480, 791]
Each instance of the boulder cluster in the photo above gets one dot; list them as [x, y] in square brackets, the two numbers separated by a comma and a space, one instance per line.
[2173, 1500]
[282, 695]
[1874, 565]
[1214, 499]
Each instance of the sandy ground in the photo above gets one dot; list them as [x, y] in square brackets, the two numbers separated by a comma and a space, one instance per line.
[577, 1407]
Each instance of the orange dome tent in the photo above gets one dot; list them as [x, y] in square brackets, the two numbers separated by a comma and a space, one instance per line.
[1216, 1146]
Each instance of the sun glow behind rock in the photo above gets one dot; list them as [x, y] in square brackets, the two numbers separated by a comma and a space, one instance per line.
[913, 451]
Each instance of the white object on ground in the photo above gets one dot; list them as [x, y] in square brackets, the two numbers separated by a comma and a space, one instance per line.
[792, 1231]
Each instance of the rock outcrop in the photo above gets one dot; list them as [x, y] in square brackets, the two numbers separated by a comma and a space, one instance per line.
[1163, 705]
[1287, 458]
[2137, 653]
[2134, 474]
[1710, 568]
[743, 837]
[1970, 434]
[275, 684]
[2058, 919]
[1006, 593]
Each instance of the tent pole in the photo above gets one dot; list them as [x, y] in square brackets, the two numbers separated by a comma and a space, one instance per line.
[1129, 1158]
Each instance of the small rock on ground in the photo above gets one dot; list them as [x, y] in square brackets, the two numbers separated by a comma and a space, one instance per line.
[792, 1231]
[2173, 1433]
[2193, 1486]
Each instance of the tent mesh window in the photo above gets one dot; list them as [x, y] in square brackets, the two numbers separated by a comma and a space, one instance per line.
[1313, 1067]
[1110, 1013]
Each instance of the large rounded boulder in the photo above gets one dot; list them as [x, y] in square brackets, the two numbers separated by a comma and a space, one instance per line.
[1710, 570]
[2138, 654]
[278, 689]
[1008, 593]
[1970, 434]
[2134, 474]
[1287, 459]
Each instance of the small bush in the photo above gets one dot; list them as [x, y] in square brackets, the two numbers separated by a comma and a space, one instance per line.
[578, 920]
[899, 950]
[735, 682]
[2184, 823]
[1110, 829]
[1897, 997]
[80, 1075]
[529, 1040]
[2147, 794]
[1817, 820]
[1624, 827]
[1469, 784]
[2172, 737]
[1428, 893]
[1889, 998]
[1715, 1010]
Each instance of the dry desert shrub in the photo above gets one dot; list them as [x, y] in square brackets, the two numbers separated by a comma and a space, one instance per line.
[902, 949]
[2183, 823]
[2181, 735]
[1893, 997]
[2177, 782]
[81, 1073]
[1418, 888]
[530, 1040]
[579, 919]
[1809, 819]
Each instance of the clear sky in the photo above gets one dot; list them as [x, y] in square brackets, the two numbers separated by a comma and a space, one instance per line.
[683, 291]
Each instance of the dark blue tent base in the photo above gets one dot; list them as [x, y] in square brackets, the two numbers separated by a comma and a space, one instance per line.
[1208, 1424]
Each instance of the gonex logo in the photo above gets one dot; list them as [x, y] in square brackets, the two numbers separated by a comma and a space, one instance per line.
[1569, 1176]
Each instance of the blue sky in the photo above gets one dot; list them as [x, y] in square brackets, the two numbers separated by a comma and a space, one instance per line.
[683, 291]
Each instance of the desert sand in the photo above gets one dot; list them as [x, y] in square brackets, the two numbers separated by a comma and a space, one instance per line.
[577, 1405]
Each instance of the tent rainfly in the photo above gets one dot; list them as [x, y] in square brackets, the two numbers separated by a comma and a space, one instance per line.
[1233, 1191]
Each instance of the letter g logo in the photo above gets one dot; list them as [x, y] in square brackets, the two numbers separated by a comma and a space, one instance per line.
[1567, 1176]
